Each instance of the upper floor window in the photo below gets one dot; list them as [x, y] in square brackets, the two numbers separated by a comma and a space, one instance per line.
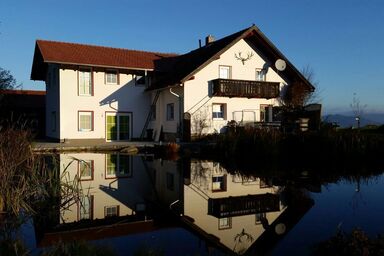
[225, 72]
[85, 82]
[111, 77]
[219, 183]
[260, 74]
[170, 112]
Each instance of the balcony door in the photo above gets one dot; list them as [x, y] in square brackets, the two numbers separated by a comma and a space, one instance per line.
[118, 126]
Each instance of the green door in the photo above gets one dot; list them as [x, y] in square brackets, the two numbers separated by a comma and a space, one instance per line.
[117, 126]
[111, 127]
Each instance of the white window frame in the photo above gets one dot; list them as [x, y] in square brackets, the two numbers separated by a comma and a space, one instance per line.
[114, 210]
[170, 111]
[225, 223]
[111, 73]
[89, 164]
[261, 74]
[228, 70]
[85, 208]
[85, 113]
[223, 109]
[82, 91]
[219, 183]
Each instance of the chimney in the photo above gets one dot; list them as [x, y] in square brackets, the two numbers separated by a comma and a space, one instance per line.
[209, 39]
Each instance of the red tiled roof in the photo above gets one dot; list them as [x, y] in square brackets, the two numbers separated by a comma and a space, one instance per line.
[70, 53]
[22, 92]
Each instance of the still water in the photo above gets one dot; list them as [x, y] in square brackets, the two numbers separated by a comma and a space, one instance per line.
[138, 204]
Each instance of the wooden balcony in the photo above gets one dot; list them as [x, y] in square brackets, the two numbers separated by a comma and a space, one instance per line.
[245, 88]
[243, 205]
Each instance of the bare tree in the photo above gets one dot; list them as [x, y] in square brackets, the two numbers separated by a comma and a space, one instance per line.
[7, 81]
[200, 121]
[357, 109]
[297, 94]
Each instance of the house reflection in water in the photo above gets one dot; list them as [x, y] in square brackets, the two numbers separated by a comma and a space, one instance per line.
[234, 210]
[125, 194]
[114, 188]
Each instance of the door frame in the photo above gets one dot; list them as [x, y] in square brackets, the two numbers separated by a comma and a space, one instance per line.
[117, 114]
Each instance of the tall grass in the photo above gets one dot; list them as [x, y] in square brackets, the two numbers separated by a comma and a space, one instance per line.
[30, 186]
[18, 180]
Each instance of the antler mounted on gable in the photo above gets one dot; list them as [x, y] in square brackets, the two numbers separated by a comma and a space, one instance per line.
[244, 59]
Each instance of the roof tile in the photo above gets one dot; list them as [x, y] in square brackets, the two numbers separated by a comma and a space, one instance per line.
[71, 53]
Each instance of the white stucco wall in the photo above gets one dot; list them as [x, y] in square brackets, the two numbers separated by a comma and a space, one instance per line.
[196, 91]
[124, 97]
[124, 192]
[166, 97]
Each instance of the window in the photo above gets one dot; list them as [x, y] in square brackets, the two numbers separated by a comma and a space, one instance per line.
[260, 74]
[170, 179]
[140, 80]
[153, 112]
[111, 77]
[86, 208]
[85, 120]
[170, 112]
[265, 113]
[111, 211]
[260, 217]
[225, 223]
[219, 183]
[53, 117]
[117, 166]
[218, 111]
[85, 82]
[85, 168]
[225, 72]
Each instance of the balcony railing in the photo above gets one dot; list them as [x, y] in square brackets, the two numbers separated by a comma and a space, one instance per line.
[243, 205]
[245, 88]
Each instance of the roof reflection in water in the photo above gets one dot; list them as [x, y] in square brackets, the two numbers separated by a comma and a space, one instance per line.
[131, 195]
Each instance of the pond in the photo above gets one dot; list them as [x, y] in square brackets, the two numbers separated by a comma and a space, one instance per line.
[139, 204]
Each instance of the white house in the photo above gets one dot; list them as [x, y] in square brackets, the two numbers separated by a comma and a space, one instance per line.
[109, 94]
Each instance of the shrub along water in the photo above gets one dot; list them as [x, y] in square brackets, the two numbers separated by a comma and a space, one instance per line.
[326, 151]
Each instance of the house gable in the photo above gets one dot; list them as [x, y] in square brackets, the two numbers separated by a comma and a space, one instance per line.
[182, 68]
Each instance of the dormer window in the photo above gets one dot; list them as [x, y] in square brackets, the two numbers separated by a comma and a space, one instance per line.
[111, 77]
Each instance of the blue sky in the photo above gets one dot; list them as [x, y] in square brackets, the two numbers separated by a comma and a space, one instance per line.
[342, 41]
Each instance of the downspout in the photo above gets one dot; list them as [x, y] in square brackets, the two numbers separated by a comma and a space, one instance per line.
[180, 111]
